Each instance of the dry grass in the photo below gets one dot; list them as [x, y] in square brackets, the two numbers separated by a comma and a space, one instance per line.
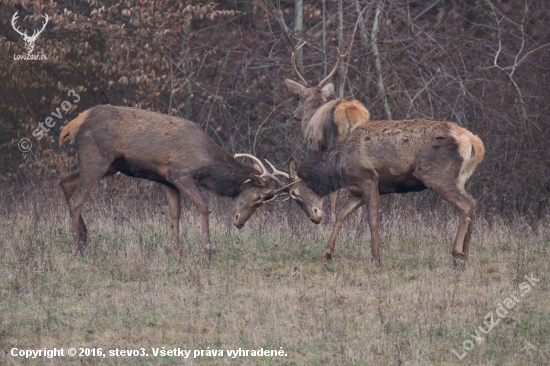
[265, 286]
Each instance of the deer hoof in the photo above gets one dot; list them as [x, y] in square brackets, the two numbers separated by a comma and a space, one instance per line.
[327, 257]
[460, 260]
[375, 260]
[208, 254]
[176, 252]
[77, 250]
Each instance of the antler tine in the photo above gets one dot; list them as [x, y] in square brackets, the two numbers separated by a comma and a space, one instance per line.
[277, 172]
[37, 32]
[45, 23]
[16, 28]
[265, 173]
[258, 161]
[277, 192]
[293, 60]
[340, 57]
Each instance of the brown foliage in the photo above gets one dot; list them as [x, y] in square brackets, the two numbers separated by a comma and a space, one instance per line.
[481, 64]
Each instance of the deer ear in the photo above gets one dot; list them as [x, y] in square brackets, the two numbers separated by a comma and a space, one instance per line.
[292, 169]
[294, 87]
[257, 180]
[328, 90]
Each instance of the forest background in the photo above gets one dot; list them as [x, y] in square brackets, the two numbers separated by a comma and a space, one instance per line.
[482, 64]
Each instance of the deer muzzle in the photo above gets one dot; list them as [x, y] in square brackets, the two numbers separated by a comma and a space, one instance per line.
[316, 215]
[238, 222]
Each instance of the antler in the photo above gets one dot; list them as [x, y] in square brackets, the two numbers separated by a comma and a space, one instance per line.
[340, 57]
[264, 173]
[277, 192]
[36, 33]
[25, 35]
[13, 19]
[277, 172]
[293, 60]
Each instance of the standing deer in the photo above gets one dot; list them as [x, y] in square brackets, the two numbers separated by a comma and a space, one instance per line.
[325, 121]
[161, 148]
[29, 40]
[392, 157]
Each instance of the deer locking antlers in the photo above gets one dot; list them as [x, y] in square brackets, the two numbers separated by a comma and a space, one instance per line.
[282, 187]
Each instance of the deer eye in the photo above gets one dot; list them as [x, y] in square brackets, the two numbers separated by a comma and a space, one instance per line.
[259, 198]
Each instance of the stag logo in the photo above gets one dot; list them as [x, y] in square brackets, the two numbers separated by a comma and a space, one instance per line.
[29, 40]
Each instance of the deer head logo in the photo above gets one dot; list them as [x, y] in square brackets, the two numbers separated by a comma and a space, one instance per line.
[29, 40]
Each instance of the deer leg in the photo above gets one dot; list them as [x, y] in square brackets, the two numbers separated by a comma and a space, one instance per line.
[68, 185]
[77, 188]
[186, 186]
[174, 205]
[369, 190]
[467, 238]
[333, 197]
[350, 206]
[466, 206]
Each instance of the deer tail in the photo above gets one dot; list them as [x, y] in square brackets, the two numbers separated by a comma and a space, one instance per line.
[72, 127]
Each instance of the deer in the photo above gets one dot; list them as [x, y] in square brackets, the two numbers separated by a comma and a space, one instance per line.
[384, 157]
[29, 40]
[166, 149]
[325, 120]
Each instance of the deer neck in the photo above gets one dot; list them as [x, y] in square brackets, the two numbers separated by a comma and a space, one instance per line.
[322, 173]
[226, 176]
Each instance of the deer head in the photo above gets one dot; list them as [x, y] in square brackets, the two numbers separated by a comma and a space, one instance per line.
[256, 191]
[311, 98]
[260, 192]
[309, 201]
[29, 40]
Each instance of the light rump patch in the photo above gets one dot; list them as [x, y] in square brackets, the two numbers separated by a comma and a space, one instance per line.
[72, 127]
[351, 111]
[466, 142]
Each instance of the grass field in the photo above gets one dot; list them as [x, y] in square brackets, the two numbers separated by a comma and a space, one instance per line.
[266, 287]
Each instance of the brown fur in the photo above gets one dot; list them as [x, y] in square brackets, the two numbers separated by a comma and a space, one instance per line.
[72, 127]
[385, 157]
[165, 149]
[325, 122]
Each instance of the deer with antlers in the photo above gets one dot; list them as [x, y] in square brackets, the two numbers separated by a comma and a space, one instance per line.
[29, 40]
[325, 121]
[165, 149]
[392, 157]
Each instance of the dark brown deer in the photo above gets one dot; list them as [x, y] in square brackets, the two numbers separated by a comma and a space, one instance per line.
[161, 148]
[325, 121]
[392, 157]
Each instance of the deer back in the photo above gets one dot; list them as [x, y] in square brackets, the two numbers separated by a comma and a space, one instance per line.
[399, 146]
